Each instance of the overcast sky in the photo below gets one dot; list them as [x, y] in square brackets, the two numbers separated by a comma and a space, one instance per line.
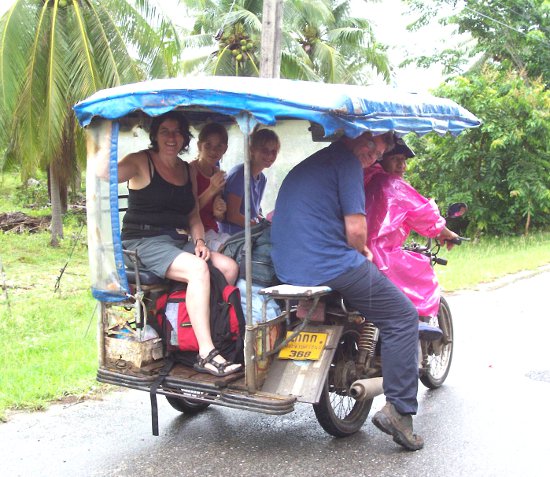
[390, 19]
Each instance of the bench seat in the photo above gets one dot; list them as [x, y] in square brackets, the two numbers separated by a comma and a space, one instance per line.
[294, 291]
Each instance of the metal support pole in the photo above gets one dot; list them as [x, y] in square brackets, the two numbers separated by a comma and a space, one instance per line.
[250, 365]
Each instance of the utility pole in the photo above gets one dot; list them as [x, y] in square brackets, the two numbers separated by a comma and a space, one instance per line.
[270, 62]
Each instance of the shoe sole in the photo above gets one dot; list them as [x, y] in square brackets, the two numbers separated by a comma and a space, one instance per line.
[383, 422]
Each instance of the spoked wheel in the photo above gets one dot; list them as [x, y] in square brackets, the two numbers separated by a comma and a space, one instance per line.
[186, 405]
[338, 413]
[437, 355]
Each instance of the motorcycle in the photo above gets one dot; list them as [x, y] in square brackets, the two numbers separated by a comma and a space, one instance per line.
[436, 356]
[315, 350]
[358, 355]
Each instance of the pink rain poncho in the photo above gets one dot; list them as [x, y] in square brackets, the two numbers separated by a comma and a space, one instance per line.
[393, 209]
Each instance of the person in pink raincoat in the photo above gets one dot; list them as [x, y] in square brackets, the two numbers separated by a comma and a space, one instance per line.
[393, 209]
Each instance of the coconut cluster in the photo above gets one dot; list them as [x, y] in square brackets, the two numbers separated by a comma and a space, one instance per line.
[240, 46]
[60, 3]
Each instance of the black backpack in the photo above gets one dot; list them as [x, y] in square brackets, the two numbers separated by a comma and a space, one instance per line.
[263, 272]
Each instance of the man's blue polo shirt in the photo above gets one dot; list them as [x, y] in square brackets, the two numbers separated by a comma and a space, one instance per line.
[308, 231]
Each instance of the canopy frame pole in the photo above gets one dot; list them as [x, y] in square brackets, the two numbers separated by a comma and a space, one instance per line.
[247, 122]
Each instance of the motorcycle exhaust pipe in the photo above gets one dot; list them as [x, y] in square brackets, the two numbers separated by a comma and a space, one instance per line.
[363, 389]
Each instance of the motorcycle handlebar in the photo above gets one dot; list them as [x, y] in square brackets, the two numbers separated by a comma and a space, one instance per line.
[432, 252]
[458, 240]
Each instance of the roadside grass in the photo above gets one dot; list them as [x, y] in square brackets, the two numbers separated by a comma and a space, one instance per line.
[8, 186]
[18, 198]
[489, 258]
[48, 345]
[47, 338]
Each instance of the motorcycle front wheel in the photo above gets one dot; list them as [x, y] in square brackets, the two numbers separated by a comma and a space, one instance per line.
[337, 412]
[438, 355]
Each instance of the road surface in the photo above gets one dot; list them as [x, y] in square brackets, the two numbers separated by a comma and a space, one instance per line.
[489, 419]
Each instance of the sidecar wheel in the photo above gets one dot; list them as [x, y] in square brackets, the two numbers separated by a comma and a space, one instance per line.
[438, 355]
[338, 413]
[187, 406]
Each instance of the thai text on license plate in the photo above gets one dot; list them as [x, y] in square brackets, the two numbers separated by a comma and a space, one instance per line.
[305, 346]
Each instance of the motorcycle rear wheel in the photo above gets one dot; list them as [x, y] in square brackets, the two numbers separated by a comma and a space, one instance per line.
[338, 413]
[438, 355]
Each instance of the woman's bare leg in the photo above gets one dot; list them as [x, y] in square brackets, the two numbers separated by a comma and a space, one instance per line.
[193, 270]
[226, 265]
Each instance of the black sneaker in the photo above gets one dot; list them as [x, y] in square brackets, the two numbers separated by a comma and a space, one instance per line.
[399, 426]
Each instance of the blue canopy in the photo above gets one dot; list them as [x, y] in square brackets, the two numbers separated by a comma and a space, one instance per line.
[337, 108]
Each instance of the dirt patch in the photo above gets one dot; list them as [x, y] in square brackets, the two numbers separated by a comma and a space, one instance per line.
[18, 222]
[95, 393]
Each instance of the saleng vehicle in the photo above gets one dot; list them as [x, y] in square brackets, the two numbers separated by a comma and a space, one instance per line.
[315, 350]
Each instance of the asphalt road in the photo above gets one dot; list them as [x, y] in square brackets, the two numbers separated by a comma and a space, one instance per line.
[489, 419]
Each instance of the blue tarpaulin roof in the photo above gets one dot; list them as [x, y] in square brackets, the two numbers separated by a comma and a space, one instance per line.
[338, 108]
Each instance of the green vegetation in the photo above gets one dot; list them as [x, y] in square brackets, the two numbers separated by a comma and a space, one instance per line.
[47, 337]
[320, 41]
[501, 169]
[22, 196]
[53, 57]
[490, 258]
[511, 33]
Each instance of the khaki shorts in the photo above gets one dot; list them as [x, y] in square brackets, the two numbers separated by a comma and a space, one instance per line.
[156, 254]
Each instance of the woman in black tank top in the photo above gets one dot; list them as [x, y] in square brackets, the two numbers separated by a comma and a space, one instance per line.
[163, 225]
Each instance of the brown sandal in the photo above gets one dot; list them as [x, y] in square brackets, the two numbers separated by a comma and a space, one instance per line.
[201, 363]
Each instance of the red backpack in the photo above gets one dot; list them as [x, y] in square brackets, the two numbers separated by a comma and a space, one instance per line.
[227, 323]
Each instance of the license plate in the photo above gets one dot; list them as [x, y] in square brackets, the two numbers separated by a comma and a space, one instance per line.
[305, 346]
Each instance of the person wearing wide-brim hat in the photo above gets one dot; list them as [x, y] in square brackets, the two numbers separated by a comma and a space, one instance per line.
[395, 160]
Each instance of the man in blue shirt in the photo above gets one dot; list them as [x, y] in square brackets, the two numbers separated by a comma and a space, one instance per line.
[319, 235]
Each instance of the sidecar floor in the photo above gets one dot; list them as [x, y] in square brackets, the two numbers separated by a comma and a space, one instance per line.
[185, 382]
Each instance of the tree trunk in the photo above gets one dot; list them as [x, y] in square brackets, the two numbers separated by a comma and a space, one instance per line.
[57, 215]
[62, 188]
[63, 196]
[76, 186]
[270, 62]
[527, 223]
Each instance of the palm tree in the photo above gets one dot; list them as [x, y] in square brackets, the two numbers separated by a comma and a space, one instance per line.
[341, 48]
[54, 53]
[226, 37]
[320, 41]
